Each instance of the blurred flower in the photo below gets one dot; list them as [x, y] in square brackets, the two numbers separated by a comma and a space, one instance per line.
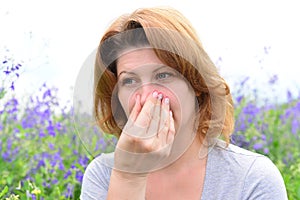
[266, 151]
[67, 174]
[267, 49]
[6, 72]
[13, 197]
[295, 126]
[69, 192]
[41, 163]
[10, 70]
[51, 146]
[273, 79]
[12, 86]
[244, 81]
[257, 146]
[289, 96]
[239, 99]
[50, 128]
[79, 176]
[54, 181]
[36, 191]
[287, 159]
[6, 156]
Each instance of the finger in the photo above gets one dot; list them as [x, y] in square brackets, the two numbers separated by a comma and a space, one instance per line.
[164, 122]
[171, 133]
[145, 115]
[153, 128]
[135, 111]
[136, 108]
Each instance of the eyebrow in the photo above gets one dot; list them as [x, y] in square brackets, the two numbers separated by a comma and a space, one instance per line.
[125, 72]
[132, 73]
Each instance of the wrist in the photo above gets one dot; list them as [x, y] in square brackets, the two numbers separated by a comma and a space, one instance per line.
[127, 176]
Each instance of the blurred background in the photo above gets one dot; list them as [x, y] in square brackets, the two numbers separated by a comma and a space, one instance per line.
[257, 40]
[46, 57]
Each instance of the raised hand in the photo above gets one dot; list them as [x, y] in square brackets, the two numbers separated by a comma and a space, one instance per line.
[147, 137]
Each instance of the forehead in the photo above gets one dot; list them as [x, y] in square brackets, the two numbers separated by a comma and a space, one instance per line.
[137, 58]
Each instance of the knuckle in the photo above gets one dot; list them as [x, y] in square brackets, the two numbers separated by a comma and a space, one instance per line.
[149, 147]
[166, 123]
[133, 140]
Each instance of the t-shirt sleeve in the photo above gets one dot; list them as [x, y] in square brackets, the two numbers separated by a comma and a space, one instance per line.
[264, 181]
[95, 181]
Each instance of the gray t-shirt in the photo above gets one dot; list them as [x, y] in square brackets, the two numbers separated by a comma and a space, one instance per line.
[232, 173]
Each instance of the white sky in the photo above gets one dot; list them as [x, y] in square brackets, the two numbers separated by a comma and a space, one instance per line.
[54, 38]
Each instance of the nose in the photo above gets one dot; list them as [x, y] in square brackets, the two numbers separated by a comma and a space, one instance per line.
[145, 90]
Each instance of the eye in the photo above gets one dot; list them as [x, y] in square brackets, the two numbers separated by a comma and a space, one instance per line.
[163, 75]
[128, 81]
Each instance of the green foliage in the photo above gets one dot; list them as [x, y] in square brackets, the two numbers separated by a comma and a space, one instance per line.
[275, 132]
[41, 156]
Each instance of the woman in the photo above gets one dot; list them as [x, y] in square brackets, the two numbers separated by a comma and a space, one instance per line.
[157, 90]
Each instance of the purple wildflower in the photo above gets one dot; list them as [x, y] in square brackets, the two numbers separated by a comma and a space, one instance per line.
[47, 93]
[54, 181]
[61, 166]
[83, 161]
[33, 196]
[257, 146]
[295, 126]
[51, 146]
[41, 163]
[50, 128]
[79, 176]
[239, 98]
[7, 72]
[67, 174]
[273, 79]
[69, 192]
[266, 151]
[42, 134]
[6, 156]
[12, 86]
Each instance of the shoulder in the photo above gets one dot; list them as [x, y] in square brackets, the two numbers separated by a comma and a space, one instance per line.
[103, 162]
[253, 175]
[233, 156]
[96, 177]
[264, 181]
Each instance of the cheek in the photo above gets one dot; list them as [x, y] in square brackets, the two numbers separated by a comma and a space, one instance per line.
[174, 103]
[182, 104]
[127, 101]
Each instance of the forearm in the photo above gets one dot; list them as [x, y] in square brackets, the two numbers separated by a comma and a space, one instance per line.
[125, 186]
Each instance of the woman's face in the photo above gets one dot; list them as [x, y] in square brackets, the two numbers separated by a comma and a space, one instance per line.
[141, 72]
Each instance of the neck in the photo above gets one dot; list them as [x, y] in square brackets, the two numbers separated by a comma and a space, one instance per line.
[188, 160]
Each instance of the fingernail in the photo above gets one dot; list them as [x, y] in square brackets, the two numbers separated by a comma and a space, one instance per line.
[167, 100]
[154, 94]
[171, 113]
[160, 96]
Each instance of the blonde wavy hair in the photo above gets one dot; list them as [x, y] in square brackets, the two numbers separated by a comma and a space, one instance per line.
[176, 44]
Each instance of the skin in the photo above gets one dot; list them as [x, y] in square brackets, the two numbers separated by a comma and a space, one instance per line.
[159, 103]
[140, 72]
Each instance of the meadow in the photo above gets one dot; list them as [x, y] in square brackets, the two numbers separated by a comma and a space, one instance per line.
[42, 156]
